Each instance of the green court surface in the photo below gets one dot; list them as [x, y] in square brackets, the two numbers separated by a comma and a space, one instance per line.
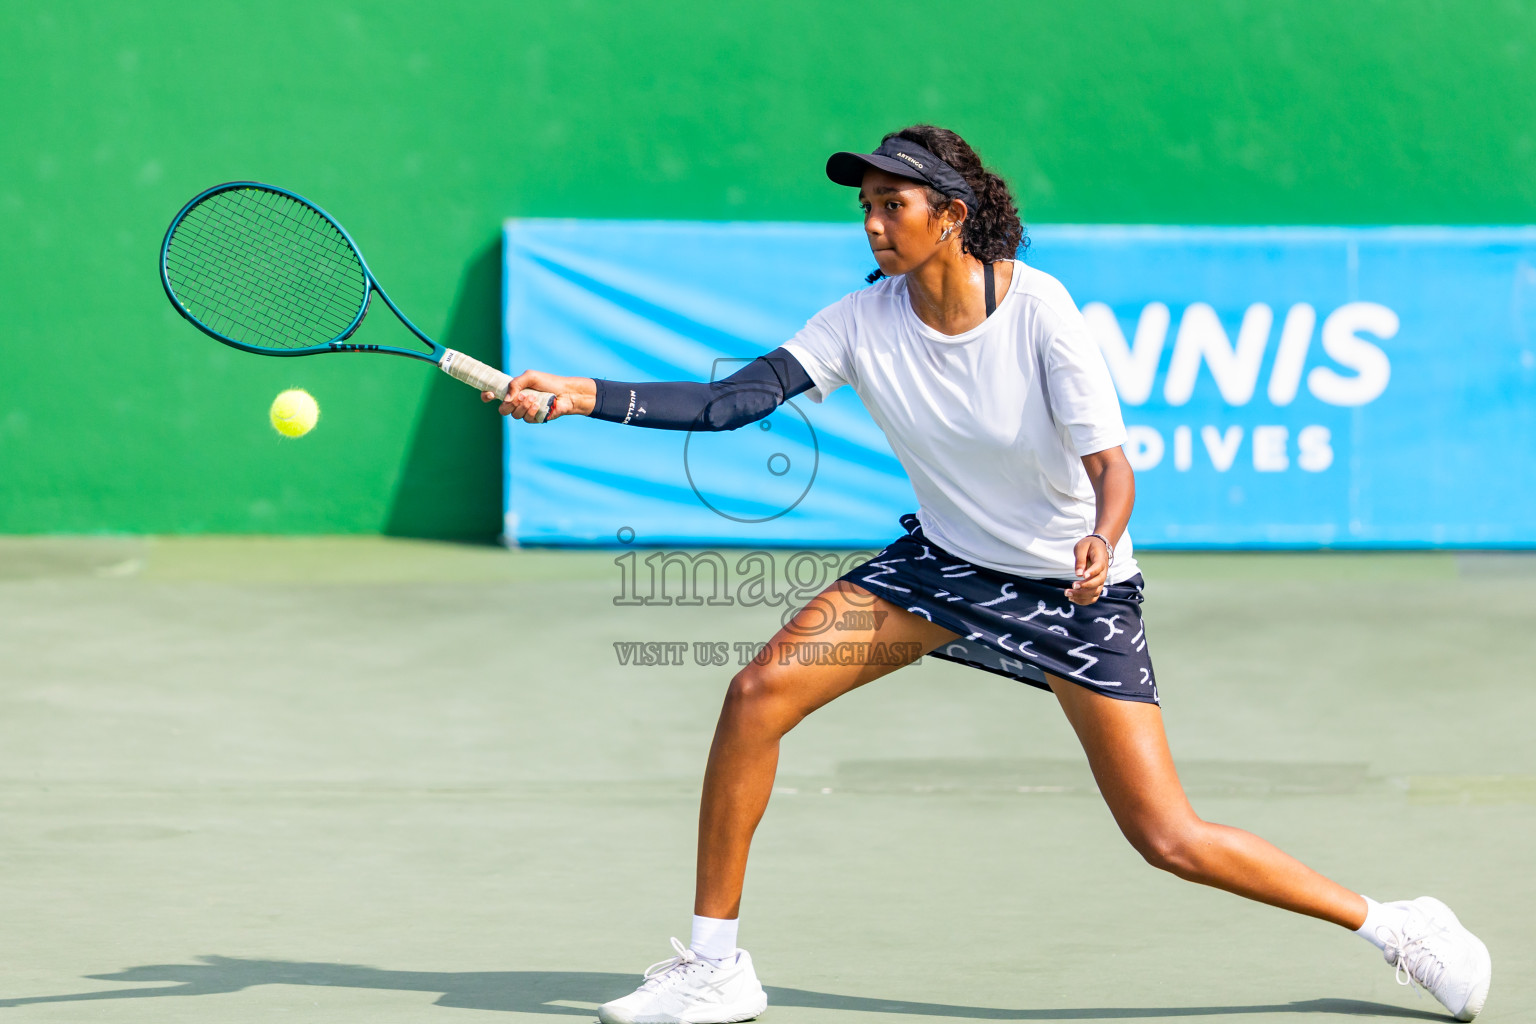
[370, 780]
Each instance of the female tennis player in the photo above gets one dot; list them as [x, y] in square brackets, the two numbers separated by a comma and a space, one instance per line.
[992, 393]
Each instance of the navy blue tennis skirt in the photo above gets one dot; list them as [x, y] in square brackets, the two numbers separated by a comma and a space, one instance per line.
[1014, 625]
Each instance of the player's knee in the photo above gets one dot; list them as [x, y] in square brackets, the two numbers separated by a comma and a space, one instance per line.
[751, 685]
[759, 696]
[1172, 846]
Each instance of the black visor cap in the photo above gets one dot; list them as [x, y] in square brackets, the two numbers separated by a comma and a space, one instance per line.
[904, 159]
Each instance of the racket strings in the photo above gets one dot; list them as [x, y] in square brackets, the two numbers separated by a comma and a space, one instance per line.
[275, 270]
[266, 297]
[323, 244]
[220, 298]
[275, 291]
[265, 269]
[273, 308]
[274, 261]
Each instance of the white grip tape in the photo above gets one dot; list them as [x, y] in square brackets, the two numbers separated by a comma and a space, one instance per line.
[487, 378]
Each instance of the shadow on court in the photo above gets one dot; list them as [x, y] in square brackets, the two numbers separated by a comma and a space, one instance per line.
[546, 991]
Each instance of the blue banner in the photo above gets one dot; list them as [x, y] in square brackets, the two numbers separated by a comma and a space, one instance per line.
[1282, 387]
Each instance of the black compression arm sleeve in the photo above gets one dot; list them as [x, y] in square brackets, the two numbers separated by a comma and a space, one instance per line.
[747, 395]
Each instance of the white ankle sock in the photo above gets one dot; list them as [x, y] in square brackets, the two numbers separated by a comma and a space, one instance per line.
[714, 937]
[1380, 917]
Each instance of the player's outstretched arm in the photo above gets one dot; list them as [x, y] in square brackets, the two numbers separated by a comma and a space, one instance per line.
[744, 397]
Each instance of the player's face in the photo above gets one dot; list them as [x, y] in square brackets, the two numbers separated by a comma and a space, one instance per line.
[903, 233]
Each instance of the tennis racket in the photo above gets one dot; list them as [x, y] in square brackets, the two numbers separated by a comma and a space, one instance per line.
[266, 271]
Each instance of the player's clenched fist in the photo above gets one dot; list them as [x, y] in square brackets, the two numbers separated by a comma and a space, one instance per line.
[1092, 558]
[572, 395]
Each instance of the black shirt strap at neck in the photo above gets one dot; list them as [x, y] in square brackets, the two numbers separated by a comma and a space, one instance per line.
[991, 286]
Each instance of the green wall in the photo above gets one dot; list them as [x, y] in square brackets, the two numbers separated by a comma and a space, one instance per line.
[422, 126]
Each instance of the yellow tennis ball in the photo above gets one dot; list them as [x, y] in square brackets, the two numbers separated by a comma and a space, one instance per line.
[294, 412]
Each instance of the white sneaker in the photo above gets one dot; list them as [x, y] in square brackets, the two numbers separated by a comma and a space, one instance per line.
[1432, 949]
[690, 989]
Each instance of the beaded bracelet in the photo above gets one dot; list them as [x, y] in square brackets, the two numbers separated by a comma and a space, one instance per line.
[1110, 548]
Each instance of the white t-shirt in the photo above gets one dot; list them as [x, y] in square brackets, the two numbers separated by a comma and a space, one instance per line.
[990, 424]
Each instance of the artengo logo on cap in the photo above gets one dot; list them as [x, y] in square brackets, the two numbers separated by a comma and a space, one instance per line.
[914, 162]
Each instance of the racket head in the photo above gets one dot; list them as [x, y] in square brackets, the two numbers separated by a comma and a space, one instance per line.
[265, 270]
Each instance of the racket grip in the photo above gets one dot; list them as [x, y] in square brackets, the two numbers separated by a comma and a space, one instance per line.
[487, 378]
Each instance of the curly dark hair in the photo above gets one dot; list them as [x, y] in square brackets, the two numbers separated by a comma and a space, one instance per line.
[992, 231]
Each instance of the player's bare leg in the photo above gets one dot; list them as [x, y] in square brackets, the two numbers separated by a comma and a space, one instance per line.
[767, 700]
[1128, 752]
[1129, 755]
